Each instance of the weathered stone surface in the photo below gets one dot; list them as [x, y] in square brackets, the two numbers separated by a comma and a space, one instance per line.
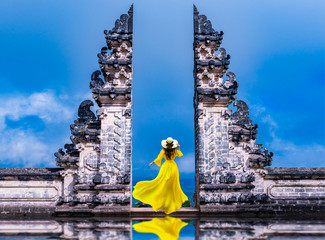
[102, 148]
[85, 129]
[217, 162]
[294, 173]
[231, 169]
[24, 188]
[99, 157]
[116, 65]
[30, 173]
[114, 96]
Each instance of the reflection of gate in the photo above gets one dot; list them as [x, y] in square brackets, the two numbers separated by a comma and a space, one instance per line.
[200, 228]
[231, 171]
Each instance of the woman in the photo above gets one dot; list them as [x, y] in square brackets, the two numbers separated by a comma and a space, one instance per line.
[164, 192]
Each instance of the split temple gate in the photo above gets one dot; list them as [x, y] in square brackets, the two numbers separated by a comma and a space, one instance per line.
[232, 170]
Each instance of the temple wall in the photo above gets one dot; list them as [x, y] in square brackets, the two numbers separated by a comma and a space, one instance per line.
[33, 190]
[297, 186]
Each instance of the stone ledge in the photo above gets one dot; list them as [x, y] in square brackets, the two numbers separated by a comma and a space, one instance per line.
[265, 210]
[227, 186]
[101, 187]
[294, 173]
[13, 211]
[112, 187]
[30, 173]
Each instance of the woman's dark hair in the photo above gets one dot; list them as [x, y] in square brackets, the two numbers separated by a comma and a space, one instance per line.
[170, 152]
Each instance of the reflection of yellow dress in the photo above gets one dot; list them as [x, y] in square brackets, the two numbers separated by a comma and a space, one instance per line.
[164, 192]
[167, 228]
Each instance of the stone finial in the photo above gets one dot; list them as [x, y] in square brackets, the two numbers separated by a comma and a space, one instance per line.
[259, 158]
[68, 159]
[115, 62]
[203, 30]
[96, 82]
[241, 128]
[124, 24]
[201, 24]
[210, 65]
[85, 129]
[241, 117]
[84, 111]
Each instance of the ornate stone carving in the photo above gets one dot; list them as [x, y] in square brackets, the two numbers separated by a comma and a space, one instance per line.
[124, 25]
[203, 30]
[69, 158]
[85, 129]
[210, 66]
[240, 117]
[258, 158]
[226, 153]
[228, 178]
[241, 128]
[96, 82]
[82, 155]
[213, 197]
[114, 96]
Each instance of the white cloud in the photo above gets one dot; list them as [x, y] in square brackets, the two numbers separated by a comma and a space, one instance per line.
[270, 121]
[22, 146]
[45, 105]
[287, 153]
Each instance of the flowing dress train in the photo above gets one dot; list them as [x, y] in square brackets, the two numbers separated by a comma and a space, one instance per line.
[166, 228]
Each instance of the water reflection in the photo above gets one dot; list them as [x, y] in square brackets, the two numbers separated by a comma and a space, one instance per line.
[166, 228]
[163, 228]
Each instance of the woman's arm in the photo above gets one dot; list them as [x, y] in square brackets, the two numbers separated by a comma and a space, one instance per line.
[158, 159]
[179, 153]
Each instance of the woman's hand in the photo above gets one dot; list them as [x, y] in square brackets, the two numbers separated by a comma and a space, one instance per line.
[178, 146]
[150, 164]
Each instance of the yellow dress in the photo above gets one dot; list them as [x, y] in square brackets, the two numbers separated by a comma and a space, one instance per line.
[166, 228]
[164, 192]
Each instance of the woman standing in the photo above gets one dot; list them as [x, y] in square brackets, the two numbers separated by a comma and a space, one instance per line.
[164, 192]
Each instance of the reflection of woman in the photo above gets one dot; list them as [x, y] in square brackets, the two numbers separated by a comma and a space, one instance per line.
[167, 228]
[164, 192]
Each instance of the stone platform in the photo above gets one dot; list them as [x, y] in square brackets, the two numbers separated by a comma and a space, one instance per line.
[293, 191]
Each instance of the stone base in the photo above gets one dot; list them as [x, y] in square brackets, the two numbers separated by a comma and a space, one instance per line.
[265, 210]
[67, 211]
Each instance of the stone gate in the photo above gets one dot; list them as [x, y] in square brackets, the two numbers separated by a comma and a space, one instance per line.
[232, 172]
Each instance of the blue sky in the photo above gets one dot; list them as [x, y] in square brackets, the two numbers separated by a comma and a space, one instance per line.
[49, 50]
